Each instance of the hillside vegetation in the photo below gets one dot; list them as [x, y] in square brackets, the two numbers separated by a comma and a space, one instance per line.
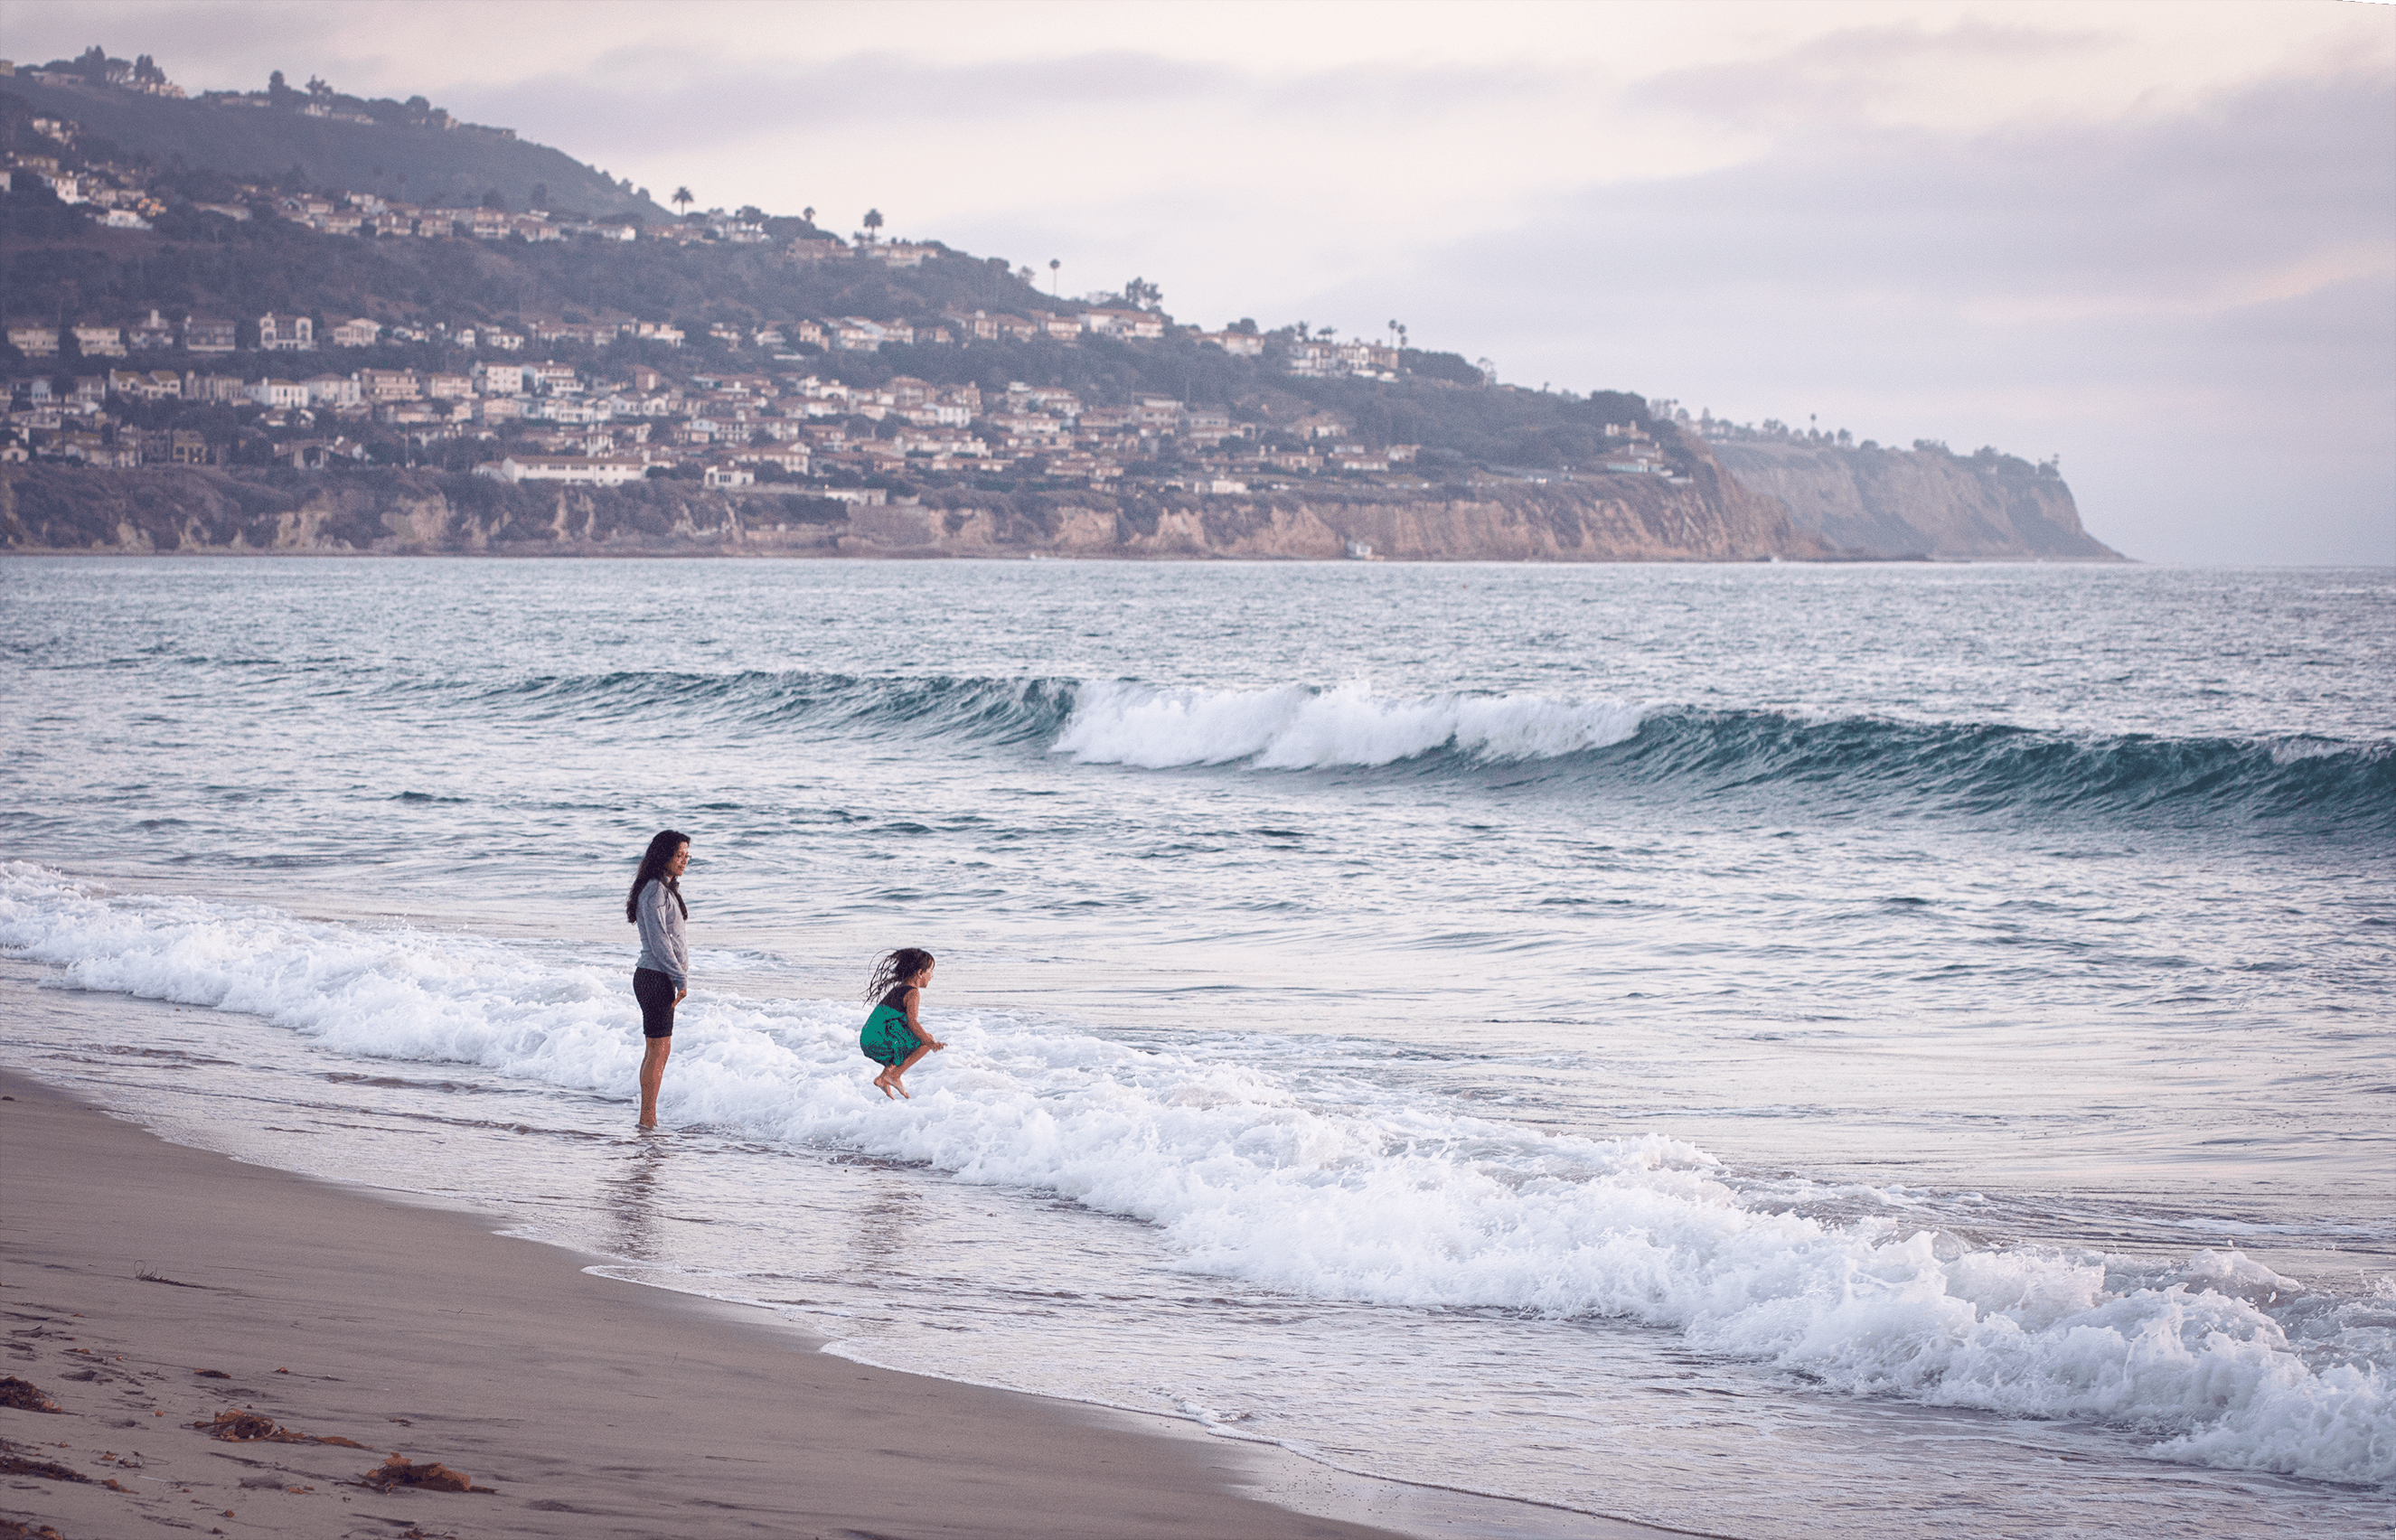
[417, 160]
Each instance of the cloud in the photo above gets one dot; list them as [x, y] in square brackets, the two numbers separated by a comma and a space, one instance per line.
[1842, 76]
[2185, 209]
[632, 93]
[1023, 110]
[2194, 294]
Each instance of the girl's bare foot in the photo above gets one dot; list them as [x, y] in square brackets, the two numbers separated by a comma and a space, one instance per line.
[899, 1086]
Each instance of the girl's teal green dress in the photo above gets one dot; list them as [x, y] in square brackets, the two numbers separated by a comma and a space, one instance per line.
[887, 1038]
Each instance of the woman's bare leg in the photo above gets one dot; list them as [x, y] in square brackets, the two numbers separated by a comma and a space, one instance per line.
[653, 1077]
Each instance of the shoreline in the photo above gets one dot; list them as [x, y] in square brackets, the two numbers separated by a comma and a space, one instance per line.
[152, 1285]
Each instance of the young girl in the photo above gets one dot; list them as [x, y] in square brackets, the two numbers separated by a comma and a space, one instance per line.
[894, 1036]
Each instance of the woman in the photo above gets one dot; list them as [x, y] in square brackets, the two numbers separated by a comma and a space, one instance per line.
[662, 977]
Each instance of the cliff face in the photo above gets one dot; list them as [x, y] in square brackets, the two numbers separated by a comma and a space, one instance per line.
[1892, 502]
[169, 510]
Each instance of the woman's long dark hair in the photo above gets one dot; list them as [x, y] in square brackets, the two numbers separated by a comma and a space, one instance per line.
[893, 967]
[662, 846]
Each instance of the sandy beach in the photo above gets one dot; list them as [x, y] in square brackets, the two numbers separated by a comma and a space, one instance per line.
[150, 1287]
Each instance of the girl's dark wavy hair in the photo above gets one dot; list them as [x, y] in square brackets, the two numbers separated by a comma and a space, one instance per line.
[662, 845]
[892, 966]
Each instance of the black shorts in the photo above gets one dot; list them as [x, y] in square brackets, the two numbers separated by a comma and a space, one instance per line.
[656, 992]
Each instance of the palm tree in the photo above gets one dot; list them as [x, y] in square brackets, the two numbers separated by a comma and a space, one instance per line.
[872, 223]
[809, 215]
[682, 200]
[1053, 265]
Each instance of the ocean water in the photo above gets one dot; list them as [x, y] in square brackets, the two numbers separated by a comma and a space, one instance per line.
[1763, 1050]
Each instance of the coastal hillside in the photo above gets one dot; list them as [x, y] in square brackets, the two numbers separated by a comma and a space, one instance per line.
[190, 509]
[299, 284]
[1925, 501]
[293, 135]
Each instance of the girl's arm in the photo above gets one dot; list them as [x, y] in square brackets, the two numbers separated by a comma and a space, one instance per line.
[915, 1026]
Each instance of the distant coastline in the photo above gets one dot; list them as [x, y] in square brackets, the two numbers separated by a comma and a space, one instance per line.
[312, 358]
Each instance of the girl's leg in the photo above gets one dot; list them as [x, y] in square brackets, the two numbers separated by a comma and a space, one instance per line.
[653, 1076]
[898, 1076]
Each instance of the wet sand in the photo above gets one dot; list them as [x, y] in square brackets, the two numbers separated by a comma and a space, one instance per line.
[148, 1287]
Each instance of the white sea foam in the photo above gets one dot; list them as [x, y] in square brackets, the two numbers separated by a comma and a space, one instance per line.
[1293, 727]
[2218, 1359]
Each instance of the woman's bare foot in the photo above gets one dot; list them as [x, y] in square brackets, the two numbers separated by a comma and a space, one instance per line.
[899, 1085]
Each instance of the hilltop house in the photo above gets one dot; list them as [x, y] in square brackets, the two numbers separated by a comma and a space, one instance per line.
[203, 335]
[1311, 359]
[145, 385]
[156, 333]
[285, 333]
[981, 325]
[357, 333]
[1206, 426]
[1123, 323]
[214, 387]
[856, 333]
[379, 386]
[587, 471]
[334, 391]
[1238, 344]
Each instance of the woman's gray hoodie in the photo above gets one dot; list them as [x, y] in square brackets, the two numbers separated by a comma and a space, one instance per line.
[662, 949]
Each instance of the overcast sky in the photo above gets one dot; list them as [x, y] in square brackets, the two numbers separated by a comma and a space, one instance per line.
[2158, 240]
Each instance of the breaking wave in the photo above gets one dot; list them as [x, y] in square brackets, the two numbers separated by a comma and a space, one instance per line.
[1973, 768]
[1390, 1197]
[1603, 747]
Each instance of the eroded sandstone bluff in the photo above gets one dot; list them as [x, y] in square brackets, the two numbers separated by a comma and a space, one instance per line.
[1919, 502]
[398, 513]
